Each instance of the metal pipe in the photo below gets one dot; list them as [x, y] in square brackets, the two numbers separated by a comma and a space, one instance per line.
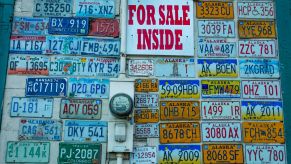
[123, 23]
[119, 157]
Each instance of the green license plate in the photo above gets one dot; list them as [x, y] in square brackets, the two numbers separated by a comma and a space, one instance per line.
[85, 153]
[38, 152]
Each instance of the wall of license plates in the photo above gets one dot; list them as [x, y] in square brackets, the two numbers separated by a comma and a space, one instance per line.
[206, 78]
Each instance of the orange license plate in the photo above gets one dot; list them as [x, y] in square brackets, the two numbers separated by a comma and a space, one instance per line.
[256, 29]
[146, 115]
[146, 85]
[223, 10]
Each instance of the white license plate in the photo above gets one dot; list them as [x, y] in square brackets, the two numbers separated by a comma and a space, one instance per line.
[261, 89]
[217, 68]
[140, 67]
[257, 48]
[211, 28]
[259, 68]
[216, 48]
[144, 155]
[146, 130]
[58, 8]
[31, 107]
[220, 110]
[265, 154]
[257, 10]
[146, 100]
[221, 132]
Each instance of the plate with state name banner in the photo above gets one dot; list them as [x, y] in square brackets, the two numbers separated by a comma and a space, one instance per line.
[256, 10]
[29, 26]
[179, 89]
[146, 100]
[257, 48]
[217, 68]
[261, 89]
[216, 48]
[52, 8]
[216, 28]
[68, 26]
[146, 116]
[214, 10]
[146, 85]
[220, 110]
[95, 9]
[27, 44]
[148, 130]
[250, 29]
[144, 155]
[220, 88]
[259, 68]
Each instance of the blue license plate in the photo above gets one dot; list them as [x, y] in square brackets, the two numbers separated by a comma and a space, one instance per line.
[52, 8]
[68, 26]
[100, 46]
[66, 45]
[259, 68]
[27, 44]
[54, 87]
[96, 9]
[29, 26]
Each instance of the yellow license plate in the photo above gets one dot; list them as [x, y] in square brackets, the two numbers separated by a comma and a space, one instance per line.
[214, 10]
[222, 153]
[256, 29]
[146, 85]
[220, 88]
[263, 132]
[179, 110]
[146, 115]
[180, 132]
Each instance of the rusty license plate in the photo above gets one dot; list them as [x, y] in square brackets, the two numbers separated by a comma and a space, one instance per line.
[104, 27]
[146, 85]
[256, 29]
[215, 10]
[146, 115]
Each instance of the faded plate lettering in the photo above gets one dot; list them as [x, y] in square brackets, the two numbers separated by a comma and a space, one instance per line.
[144, 155]
[265, 154]
[147, 130]
[146, 115]
[261, 89]
[257, 48]
[216, 48]
[182, 89]
[64, 45]
[146, 100]
[104, 27]
[27, 44]
[217, 68]
[140, 67]
[175, 67]
[95, 9]
[215, 10]
[29, 26]
[220, 88]
[220, 110]
[68, 26]
[256, 29]
[257, 10]
[100, 46]
[59, 8]
[213, 28]
[262, 110]
[146, 85]
[259, 68]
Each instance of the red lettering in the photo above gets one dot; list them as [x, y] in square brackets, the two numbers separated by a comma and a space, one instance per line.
[131, 8]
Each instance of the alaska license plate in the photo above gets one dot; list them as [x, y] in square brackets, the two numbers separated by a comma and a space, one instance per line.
[220, 88]
[262, 110]
[81, 109]
[214, 10]
[259, 68]
[217, 68]
[146, 100]
[104, 27]
[265, 153]
[140, 67]
[146, 85]
[31, 107]
[256, 29]
[57, 8]
[256, 10]
[68, 26]
[216, 28]
[28, 65]
[257, 48]
[179, 110]
[48, 130]
[27, 44]
[96, 9]
[180, 89]
[81, 131]
[146, 115]
[144, 155]
[216, 48]
[29, 26]
[221, 131]
[261, 89]
[220, 110]
[147, 130]
[180, 132]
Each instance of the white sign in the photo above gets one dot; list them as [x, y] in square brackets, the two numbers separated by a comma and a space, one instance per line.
[163, 27]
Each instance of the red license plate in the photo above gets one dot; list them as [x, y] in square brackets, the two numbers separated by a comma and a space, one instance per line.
[104, 27]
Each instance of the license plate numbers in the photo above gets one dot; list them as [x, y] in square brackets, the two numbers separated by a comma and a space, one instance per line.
[30, 129]
[223, 153]
[93, 131]
[146, 100]
[215, 10]
[221, 132]
[81, 109]
[261, 89]
[216, 48]
[68, 26]
[220, 88]
[179, 110]
[259, 68]
[182, 89]
[265, 154]
[104, 27]
[146, 115]
[65, 45]
[100, 47]
[181, 132]
[140, 67]
[31, 107]
[144, 155]
[258, 10]
[257, 48]
[56, 87]
[91, 8]
[220, 110]
[146, 85]
[217, 68]
[58, 8]
[27, 44]
[36, 152]
[146, 130]
[263, 132]
[29, 26]
[256, 29]
[88, 88]
[209, 28]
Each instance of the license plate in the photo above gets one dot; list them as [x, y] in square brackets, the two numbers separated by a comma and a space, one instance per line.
[263, 132]
[29, 26]
[262, 110]
[183, 89]
[27, 44]
[64, 45]
[79, 153]
[256, 29]
[81, 109]
[140, 67]
[261, 89]
[36, 152]
[217, 68]
[183, 154]
[91, 8]
[220, 110]
[104, 27]
[59, 8]
[28, 65]
[47, 87]
[88, 88]
[259, 68]
[214, 10]
[222, 153]
[31, 107]
[180, 132]
[84, 66]
[68, 26]
[216, 48]
[146, 85]
[220, 88]
[147, 130]
[256, 10]
[265, 154]
[144, 155]
[146, 100]
[100, 47]
[175, 67]
[179, 110]
[94, 131]
[221, 132]
[211, 28]
[146, 115]
[49, 130]
[257, 48]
